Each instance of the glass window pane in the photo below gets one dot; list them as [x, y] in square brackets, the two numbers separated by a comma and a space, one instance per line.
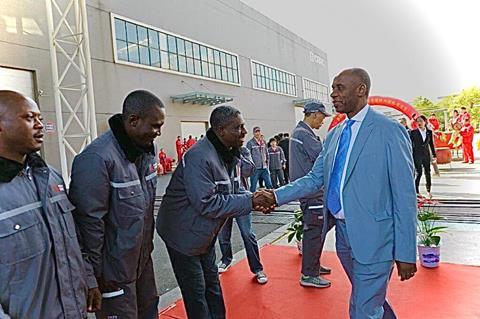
[196, 51]
[120, 32]
[131, 33]
[230, 75]
[263, 86]
[203, 53]
[181, 46]
[218, 72]
[211, 70]
[142, 36]
[122, 53]
[210, 55]
[163, 41]
[223, 59]
[189, 49]
[172, 44]
[224, 73]
[164, 60]
[190, 65]
[155, 57]
[133, 53]
[182, 64]
[216, 55]
[205, 69]
[234, 62]
[144, 55]
[153, 39]
[198, 68]
[173, 61]
[229, 60]
[235, 76]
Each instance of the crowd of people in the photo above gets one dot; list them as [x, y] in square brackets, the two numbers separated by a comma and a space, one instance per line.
[89, 250]
[422, 133]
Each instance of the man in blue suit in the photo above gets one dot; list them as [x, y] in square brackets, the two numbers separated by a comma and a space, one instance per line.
[366, 169]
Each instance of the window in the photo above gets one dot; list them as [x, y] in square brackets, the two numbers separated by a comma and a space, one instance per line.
[143, 45]
[271, 79]
[315, 90]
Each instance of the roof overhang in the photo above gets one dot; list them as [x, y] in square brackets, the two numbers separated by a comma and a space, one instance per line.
[201, 98]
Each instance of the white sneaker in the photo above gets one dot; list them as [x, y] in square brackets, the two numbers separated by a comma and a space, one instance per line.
[223, 267]
[261, 277]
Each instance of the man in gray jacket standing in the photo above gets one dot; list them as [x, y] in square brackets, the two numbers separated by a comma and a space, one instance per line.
[42, 274]
[113, 187]
[258, 148]
[204, 191]
[305, 147]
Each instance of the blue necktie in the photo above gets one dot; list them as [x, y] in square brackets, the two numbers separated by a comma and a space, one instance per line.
[333, 197]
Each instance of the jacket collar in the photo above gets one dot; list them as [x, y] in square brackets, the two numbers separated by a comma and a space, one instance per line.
[230, 157]
[9, 169]
[131, 150]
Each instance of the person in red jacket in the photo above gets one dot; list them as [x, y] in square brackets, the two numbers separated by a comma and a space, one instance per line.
[434, 122]
[179, 148]
[190, 142]
[413, 122]
[165, 161]
[467, 133]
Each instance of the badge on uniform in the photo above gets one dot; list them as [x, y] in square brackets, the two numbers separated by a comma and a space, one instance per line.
[58, 188]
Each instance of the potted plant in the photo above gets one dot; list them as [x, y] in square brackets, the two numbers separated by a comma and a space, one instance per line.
[295, 230]
[428, 233]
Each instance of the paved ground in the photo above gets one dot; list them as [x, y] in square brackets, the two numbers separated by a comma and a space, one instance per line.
[461, 244]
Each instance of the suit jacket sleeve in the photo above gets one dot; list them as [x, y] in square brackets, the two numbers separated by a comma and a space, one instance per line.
[432, 147]
[400, 173]
[305, 186]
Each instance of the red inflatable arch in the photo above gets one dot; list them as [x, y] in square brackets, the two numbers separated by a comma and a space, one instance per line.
[391, 102]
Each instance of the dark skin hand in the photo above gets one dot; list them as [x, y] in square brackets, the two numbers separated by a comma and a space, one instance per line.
[405, 270]
[264, 201]
[94, 300]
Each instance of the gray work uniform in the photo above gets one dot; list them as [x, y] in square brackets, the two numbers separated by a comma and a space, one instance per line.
[199, 199]
[204, 191]
[114, 193]
[276, 161]
[305, 147]
[42, 273]
[259, 153]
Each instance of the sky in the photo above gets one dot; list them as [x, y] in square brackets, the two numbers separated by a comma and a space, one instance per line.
[410, 47]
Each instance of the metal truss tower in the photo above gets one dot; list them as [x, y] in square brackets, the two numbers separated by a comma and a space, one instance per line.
[72, 78]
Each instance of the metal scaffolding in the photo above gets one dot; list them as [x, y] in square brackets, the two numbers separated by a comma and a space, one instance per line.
[72, 78]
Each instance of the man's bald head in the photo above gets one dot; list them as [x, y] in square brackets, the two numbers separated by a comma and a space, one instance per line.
[361, 75]
[21, 127]
[10, 101]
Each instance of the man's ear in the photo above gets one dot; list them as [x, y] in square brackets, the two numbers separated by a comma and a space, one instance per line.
[133, 120]
[362, 90]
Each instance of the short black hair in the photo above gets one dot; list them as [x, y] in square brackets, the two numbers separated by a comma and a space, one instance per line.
[140, 102]
[423, 117]
[463, 108]
[455, 111]
[221, 115]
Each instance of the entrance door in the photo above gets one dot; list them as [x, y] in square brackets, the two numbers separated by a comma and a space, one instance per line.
[21, 81]
[195, 129]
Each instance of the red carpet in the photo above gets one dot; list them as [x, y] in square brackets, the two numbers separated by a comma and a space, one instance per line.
[450, 291]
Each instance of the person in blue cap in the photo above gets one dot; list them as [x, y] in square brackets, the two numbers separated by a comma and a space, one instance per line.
[305, 146]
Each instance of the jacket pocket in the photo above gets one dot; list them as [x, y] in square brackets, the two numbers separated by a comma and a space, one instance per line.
[21, 238]
[380, 216]
[67, 207]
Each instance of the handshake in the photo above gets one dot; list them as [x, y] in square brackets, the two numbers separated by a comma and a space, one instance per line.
[264, 200]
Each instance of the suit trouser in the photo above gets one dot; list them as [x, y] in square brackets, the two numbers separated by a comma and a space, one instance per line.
[140, 299]
[369, 281]
[468, 152]
[197, 277]
[420, 165]
[313, 241]
[249, 241]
